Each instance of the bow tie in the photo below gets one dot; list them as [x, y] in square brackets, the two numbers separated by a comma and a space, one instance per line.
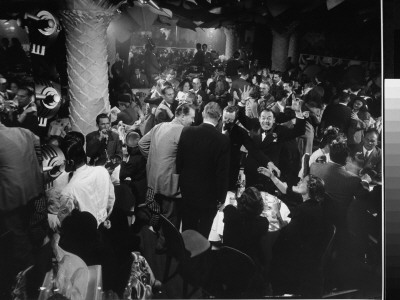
[265, 131]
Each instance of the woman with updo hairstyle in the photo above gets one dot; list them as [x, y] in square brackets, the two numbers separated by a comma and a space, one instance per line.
[245, 229]
[297, 252]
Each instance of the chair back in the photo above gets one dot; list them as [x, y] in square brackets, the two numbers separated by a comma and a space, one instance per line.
[173, 240]
[328, 249]
[232, 273]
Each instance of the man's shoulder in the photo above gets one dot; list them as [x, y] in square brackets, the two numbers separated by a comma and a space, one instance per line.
[92, 134]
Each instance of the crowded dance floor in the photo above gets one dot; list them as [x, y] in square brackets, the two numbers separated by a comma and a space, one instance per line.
[190, 149]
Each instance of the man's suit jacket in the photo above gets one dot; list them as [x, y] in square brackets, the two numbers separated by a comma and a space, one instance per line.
[151, 64]
[337, 115]
[161, 115]
[203, 94]
[238, 137]
[373, 161]
[271, 146]
[95, 148]
[161, 146]
[203, 164]
[341, 186]
[140, 82]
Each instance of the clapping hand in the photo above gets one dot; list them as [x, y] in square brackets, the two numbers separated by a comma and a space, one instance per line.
[273, 168]
[354, 116]
[53, 220]
[264, 171]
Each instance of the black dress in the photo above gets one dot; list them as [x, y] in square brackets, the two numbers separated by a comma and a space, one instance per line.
[247, 234]
[298, 251]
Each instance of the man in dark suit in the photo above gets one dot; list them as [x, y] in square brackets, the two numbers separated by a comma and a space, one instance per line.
[138, 79]
[238, 137]
[337, 115]
[201, 98]
[368, 156]
[340, 185]
[103, 144]
[203, 164]
[166, 109]
[151, 64]
[239, 84]
[26, 114]
[270, 138]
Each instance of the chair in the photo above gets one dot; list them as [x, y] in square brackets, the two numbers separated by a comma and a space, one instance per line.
[232, 274]
[187, 248]
[327, 254]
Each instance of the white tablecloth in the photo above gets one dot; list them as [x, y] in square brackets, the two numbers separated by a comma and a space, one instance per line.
[217, 228]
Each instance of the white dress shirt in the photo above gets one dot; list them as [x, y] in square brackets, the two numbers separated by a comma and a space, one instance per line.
[90, 189]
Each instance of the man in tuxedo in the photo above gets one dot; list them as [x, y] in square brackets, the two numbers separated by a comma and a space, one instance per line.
[368, 156]
[138, 79]
[103, 144]
[166, 109]
[337, 115]
[270, 138]
[203, 164]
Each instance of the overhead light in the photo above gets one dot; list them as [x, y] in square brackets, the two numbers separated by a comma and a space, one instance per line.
[333, 3]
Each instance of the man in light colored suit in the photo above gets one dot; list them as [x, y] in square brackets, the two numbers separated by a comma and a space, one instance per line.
[160, 145]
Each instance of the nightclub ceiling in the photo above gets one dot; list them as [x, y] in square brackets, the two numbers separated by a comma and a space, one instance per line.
[216, 13]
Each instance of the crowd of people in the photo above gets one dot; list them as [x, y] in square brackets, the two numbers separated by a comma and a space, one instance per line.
[313, 142]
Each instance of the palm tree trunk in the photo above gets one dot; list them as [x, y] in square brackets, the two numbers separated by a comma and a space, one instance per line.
[85, 25]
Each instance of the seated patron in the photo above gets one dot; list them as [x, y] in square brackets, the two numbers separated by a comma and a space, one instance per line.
[103, 144]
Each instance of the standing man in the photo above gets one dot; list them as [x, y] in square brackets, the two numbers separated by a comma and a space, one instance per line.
[198, 59]
[151, 65]
[23, 209]
[103, 144]
[160, 146]
[238, 137]
[203, 164]
[166, 109]
[337, 115]
[138, 79]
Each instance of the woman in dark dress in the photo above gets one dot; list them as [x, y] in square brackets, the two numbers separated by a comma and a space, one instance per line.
[244, 228]
[298, 250]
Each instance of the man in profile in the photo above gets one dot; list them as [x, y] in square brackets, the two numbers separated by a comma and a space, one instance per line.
[203, 164]
[160, 146]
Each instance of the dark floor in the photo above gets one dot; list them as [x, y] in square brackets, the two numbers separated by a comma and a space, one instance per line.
[346, 273]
